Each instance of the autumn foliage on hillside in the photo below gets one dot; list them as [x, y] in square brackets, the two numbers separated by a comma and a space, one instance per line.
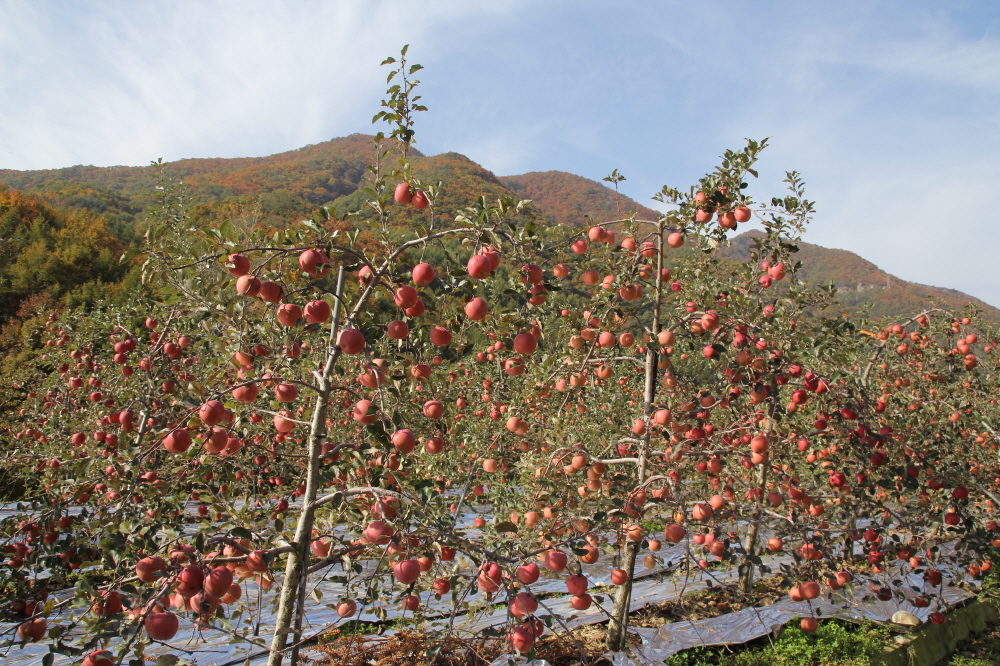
[72, 256]
[571, 199]
[465, 182]
[282, 189]
[861, 284]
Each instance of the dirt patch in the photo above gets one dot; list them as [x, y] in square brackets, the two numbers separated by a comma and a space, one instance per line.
[711, 602]
[586, 647]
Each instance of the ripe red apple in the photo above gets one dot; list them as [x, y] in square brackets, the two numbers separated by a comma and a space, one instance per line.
[212, 412]
[270, 292]
[232, 595]
[524, 604]
[147, 568]
[577, 584]
[288, 314]
[347, 608]
[434, 445]
[528, 573]
[525, 343]
[32, 631]
[351, 341]
[317, 312]
[555, 560]
[218, 581]
[314, 263]
[441, 336]
[433, 409]
[406, 296]
[406, 571]
[177, 441]
[257, 561]
[490, 577]
[479, 266]
[162, 626]
[403, 194]
[521, 639]
[397, 330]
[810, 590]
[674, 533]
[240, 265]
[476, 309]
[423, 274]
[99, 658]
[365, 412]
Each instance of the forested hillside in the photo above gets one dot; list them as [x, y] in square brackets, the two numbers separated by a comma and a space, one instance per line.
[65, 229]
[283, 185]
[861, 284]
[571, 199]
[68, 254]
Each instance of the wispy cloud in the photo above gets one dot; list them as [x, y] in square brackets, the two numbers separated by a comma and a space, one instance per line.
[124, 83]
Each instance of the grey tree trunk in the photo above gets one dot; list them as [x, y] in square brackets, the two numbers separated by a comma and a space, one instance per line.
[618, 626]
[298, 560]
[750, 544]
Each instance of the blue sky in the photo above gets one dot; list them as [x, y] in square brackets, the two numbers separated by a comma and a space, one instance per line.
[890, 110]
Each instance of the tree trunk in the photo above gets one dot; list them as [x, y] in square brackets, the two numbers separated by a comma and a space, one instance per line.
[618, 626]
[296, 569]
[750, 545]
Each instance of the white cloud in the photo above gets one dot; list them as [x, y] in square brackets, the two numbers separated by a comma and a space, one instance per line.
[125, 83]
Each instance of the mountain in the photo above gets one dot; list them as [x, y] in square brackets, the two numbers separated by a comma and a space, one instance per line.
[860, 283]
[281, 187]
[316, 173]
[463, 182]
[570, 199]
[291, 185]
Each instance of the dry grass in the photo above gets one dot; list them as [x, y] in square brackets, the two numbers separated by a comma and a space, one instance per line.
[708, 603]
[412, 648]
[584, 647]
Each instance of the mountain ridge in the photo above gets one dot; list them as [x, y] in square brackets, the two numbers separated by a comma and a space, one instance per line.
[868, 285]
[289, 185]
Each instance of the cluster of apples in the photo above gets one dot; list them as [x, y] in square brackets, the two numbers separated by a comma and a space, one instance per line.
[705, 210]
[314, 263]
[407, 194]
[198, 588]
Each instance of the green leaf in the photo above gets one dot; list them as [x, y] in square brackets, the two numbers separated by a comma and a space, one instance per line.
[506, 526]
[240, 533]
[167, 660]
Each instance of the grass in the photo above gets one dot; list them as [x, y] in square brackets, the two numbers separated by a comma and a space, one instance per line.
[982, 649]
[834, 643]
